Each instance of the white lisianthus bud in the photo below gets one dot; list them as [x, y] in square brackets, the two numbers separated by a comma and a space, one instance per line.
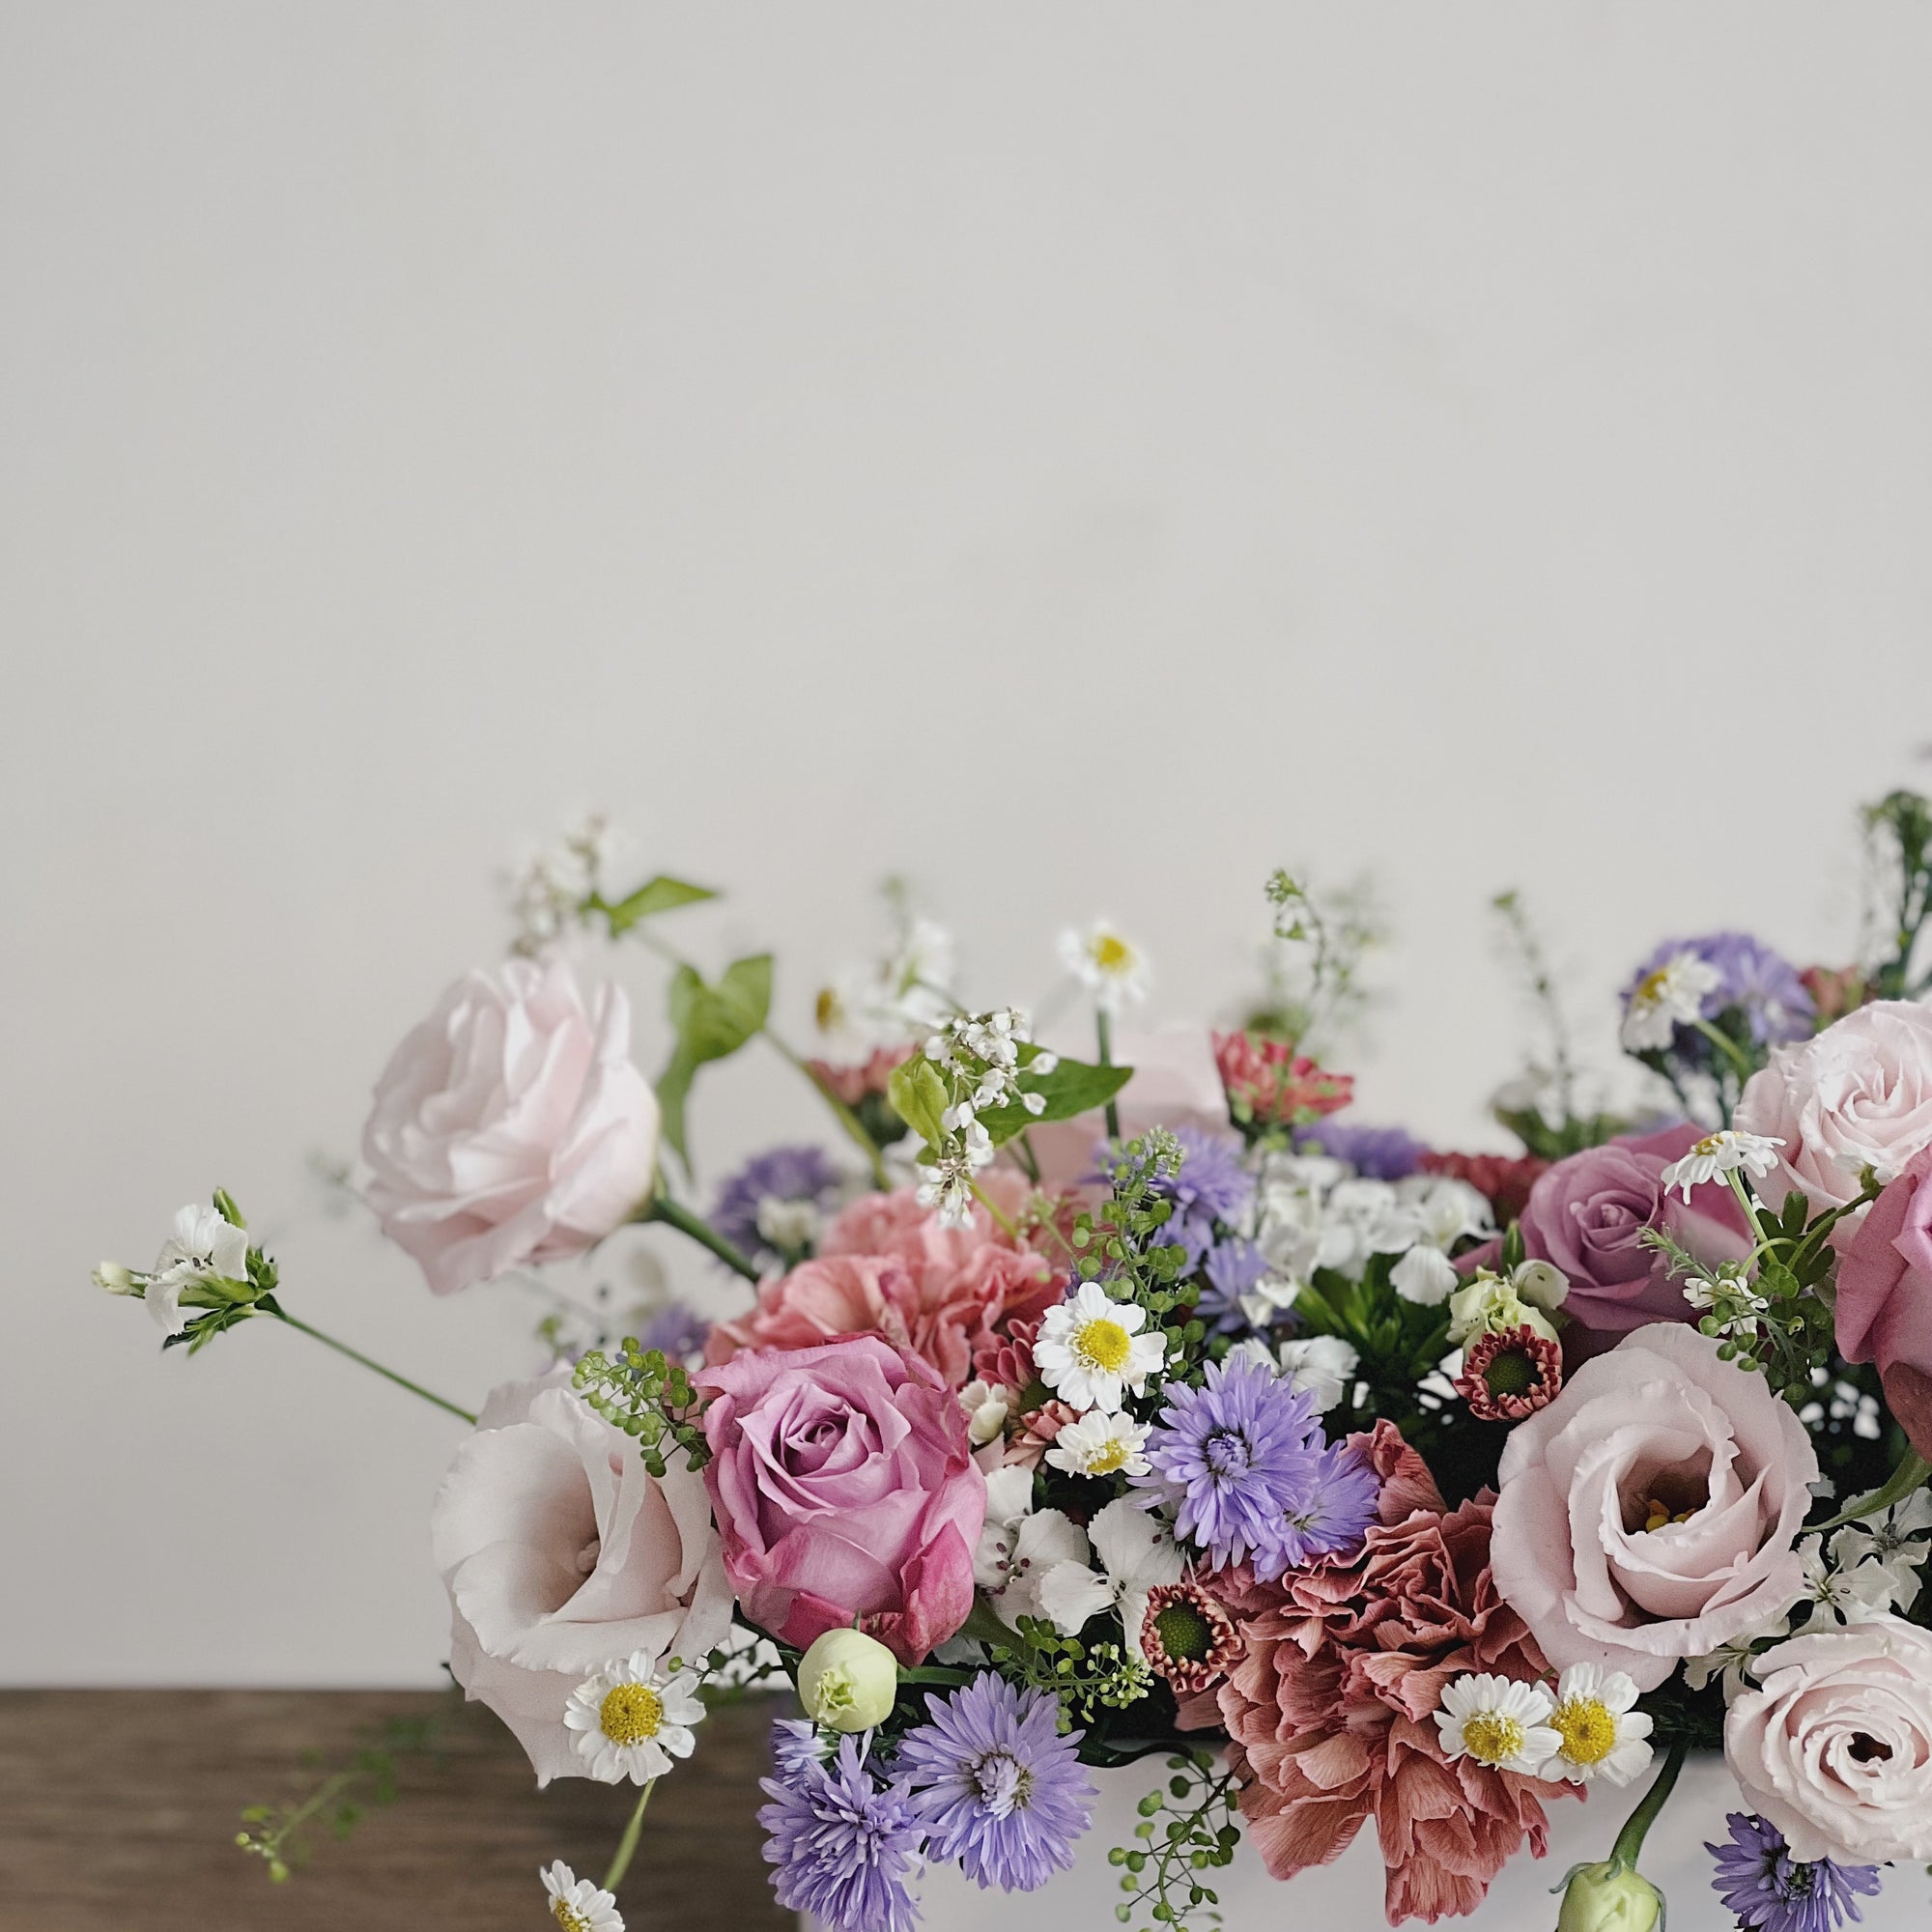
[847, 1681]
[1541, 1284]
[116, 1279]
[1490, 1302]
[986, 1405]
[1609, 1897]
[1425, 1275]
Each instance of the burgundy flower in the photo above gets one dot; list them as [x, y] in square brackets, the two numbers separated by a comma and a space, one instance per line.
[1188, 1638]
[1504, 1183]
[1509, 1374]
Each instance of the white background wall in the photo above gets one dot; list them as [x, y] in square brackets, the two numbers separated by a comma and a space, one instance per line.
[1079, 456]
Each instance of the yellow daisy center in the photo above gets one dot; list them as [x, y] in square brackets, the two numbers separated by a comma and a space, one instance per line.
[1112, 954]
[568, 1917]
[1650, 986]
[1710, 1144]
[1104, 1462]
[1104, 1344]
[1491, 1737]
[630, 1714]
[1588, 1730]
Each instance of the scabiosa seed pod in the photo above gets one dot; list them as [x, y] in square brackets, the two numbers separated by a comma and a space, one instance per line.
[1188, 1638]
[1509, 1373]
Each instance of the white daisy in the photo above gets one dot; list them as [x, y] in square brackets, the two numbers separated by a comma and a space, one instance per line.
[1324, 1363]
[1102, 1446]
[1091, 1352]
[1600, 1732]
[204, 1244]
[1139, 1555]
[1722, 1153]
[576, 1904]
[1107, 963]
[1665, 998]
[632, 1719]
[1500, 1721]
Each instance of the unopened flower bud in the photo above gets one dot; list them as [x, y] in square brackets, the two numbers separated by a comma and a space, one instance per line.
[1609, 1897]
[116, 1279]
[986, 1405]
[847, 1681]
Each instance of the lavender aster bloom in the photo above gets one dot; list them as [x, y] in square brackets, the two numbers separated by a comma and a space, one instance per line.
[782, 1174]
[1772, 1891]
[1001, 1791]
[1375, 1154]
[1210, 1185]
[1760, 984]
[842, 1845]
[679, 1331]
[1231, 1268]
[1243, 1463]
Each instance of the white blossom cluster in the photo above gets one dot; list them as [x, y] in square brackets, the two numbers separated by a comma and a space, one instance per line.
[895, 997]
[547, 890]
[979, 1054]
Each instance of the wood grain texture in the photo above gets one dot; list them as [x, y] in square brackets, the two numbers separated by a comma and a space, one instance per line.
[119, 1808]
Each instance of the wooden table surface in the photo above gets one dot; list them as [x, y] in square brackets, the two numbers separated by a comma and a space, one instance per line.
[119, 1808]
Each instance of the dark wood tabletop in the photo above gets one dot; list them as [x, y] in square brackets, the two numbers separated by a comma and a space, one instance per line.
[119, 1808]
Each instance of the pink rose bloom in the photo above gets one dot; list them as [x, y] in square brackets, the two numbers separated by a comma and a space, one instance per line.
[511, 1125]
[1835, 1750]
[1658, 1420]
[1587, 1214]
[843, 1481]
[1858, 1095]
[887, 1268]
[1884, 1312]
[561, 1552]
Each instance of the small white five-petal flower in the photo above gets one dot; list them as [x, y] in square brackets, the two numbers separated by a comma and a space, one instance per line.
[204, 1245]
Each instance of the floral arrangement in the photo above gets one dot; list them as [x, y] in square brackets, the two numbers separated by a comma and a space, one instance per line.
[1137, 1404]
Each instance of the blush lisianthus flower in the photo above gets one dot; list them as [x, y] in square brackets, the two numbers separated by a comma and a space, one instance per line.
[511, 1126]
[843, 1846]
[1659, 1431]
[1834, 1747]
[1244, 1468]
[844, 1489]
[1771, 1891]
[1859, 1096]
[999, 1788]
[559, 1551]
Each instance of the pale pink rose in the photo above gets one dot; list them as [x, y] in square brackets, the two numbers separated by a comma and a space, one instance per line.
[887, 1268]
[1660, 1417]
[1835, 1750]
[1883, 1310]
[511, 1125]
[562, 1553]
[1858, 1095]
[1176, 1084]
[844, 1484]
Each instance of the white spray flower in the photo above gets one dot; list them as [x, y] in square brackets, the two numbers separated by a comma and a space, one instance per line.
[1665, 998]
[1090, 1351]
[632, 1719]
[1102, 1446]
[576, 1904]
[1498, 1722]
[1602, 1733]
[1107, 963]
[1726, 1152]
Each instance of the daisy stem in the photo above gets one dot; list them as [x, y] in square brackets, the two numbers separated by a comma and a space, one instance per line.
[357, 1355]
[980, 1195]
[1104, 1027]
[627, 1845]
[1630, 1840]
[854, 1128]
[661, 1207]
[1729, 1047]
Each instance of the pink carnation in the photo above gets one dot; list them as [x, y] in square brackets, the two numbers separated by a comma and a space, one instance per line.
[851, 1082]
[1329, 1714]
[887, 1268]
[1267, 1081]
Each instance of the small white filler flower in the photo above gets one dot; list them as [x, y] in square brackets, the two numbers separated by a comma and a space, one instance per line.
[1498, 1722]
[1665, 998]
[1723, 1153]
[632, 1719]
[576, 1904]
[1107, 963]
[1601, 1733]
[204, 1244]
[1091, 1352]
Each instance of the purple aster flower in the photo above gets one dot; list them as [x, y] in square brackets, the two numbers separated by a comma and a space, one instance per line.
[1760, 984]
[1231, 1268]
[787, 1176]
[1243, 1462]
[1375, 1154]
[679, 1331]
[1210, 1185]
[1000, 1789]
[843, 1846]
[1772, 1891]
[1340, 1508]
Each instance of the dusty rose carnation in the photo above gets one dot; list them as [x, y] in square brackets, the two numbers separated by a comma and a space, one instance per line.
[1267, 1081]
[1330, 1713]
[850, 1082]
[1211, 1645]
[1007, 1360]
[885, 1267]
[1495, 1394]
[1660, 1418]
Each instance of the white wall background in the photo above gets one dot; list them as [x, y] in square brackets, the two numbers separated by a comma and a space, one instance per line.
[1079, 456]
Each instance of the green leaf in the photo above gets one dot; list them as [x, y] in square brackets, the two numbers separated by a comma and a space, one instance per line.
[917, 1091]
[655, 895]
[1074, 1087]
[711, 1023]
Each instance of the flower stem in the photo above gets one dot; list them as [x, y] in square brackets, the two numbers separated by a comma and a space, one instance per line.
[1104, 1027]
[1630, 1840]
[981, 1195]
[357, 1355]
[1913, 1469]
[627, 1845]
[1726, 1045]
[661, 1207]
[854, 1128]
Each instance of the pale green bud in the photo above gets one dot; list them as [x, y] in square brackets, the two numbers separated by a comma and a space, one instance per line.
[847, 1681]
[1609, 1897]
[116, 1279]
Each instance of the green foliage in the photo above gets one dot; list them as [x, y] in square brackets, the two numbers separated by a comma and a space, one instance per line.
[1325, 985]
[655, 895]
[281, 1833]
[1899, 829]
[1121, 1246]
[1074, 1087]
[649, 1397]
[711, 1023]
[1186, 1829]
[919, 1094]
[1558, 1140]
[1085, 1677]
